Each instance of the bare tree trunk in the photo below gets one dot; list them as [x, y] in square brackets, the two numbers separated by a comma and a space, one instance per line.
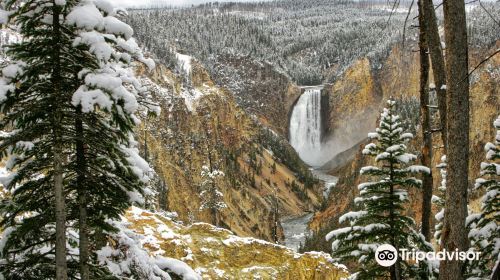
[496, 272]
[454, 232]
[425, 124]
[438, 65]
[215, 217]
[61, 266]
[60, 205]
[82, 196]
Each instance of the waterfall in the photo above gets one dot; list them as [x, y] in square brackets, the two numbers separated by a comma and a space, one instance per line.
[305, 127]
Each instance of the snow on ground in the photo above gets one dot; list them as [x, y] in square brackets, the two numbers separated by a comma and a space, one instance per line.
[185, 62]
[142, 252]
[202, 251]
[295, 230]
[3, 171]
[190, 98]
[190, 95]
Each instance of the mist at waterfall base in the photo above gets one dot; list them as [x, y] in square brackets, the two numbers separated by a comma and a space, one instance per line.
[306, 130]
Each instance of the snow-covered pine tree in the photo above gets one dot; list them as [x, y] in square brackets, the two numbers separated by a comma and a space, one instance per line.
[484, 232]
[110, 174]
[211, 197]
[382, 202]
[35, 88]
[94, 125]
[439, 200]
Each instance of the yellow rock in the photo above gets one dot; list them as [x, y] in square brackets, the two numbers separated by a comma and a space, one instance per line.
[178, 143]
[357, 97]
[217, 253]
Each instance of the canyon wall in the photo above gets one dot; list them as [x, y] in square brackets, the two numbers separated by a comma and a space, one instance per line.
[360, 94]
[202, 124]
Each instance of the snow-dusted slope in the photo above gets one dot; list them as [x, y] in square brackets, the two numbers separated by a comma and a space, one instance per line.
[215, 253]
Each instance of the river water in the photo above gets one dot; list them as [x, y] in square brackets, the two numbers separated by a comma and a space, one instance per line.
[296, 229]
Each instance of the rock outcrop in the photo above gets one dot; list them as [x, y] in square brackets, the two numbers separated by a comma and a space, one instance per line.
[218, 254]
[259, 88]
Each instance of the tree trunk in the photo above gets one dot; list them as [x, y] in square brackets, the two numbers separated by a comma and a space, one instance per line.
[146, 151]
[275, 217]
[425, 124]
[162, 195]
[81, 166]
[60, 205]
[215, 217]
[396, 268]
[454, 231]
[496, 272]
[438, 65]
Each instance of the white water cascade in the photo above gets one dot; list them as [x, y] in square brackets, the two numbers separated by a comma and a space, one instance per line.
[305, 127]
[305, 138]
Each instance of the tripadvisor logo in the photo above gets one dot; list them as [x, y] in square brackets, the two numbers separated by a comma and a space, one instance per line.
[386, 255]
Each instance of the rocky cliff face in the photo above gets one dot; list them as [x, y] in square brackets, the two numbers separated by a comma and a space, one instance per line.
[201, 124]
[359, 95]
[353, 103]
[259, 88]
[216, 253]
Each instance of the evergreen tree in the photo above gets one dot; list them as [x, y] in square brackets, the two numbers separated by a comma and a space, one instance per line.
[75, 130]
[110, 174]
[381, 219]
[35, 125]
[485, 226]
[211, 198]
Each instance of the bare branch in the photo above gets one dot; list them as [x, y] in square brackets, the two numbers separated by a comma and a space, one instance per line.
[479, 64]
[487, 12]
[394, 7]
[406, 21]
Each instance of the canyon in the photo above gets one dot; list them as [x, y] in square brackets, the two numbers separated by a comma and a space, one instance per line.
[277, 152]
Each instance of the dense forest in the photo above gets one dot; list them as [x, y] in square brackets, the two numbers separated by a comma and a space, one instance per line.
[312, 41]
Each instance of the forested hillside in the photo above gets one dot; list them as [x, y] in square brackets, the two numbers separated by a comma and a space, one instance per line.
[311, 41]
